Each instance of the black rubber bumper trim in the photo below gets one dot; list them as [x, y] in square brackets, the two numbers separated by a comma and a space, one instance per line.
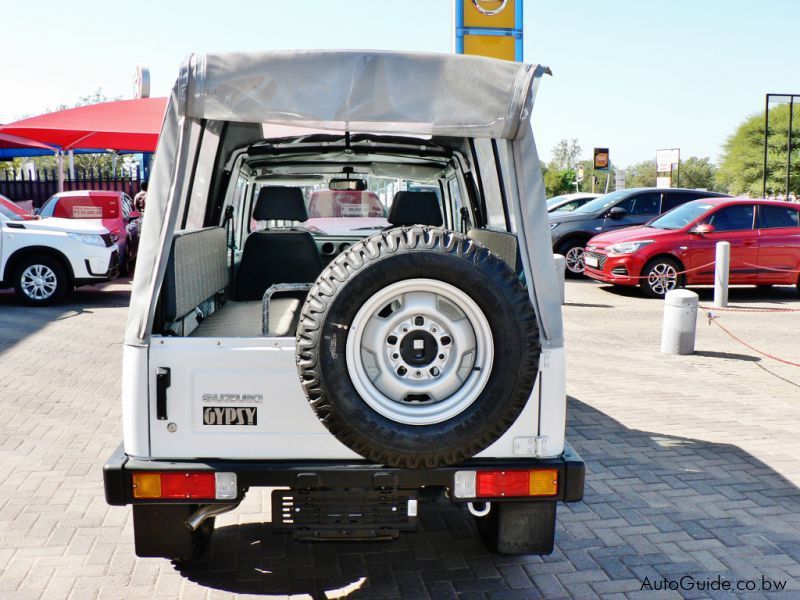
[337, 475]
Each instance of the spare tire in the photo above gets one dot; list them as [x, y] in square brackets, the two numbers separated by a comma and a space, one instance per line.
[418, 347]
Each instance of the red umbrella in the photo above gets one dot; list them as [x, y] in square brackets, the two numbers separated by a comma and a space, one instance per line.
[122, 125]
[13, 141]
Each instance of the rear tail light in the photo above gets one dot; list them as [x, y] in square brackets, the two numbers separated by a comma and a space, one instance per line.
[505, 484]
[184, 486]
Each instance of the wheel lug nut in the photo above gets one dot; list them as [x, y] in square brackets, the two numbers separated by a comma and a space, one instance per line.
[391, 340]
[435, 371]
[402, 371]
[395, 356]
[433, 329]
[418, 373]
[405, 329]
[419, 321]
[441, 357]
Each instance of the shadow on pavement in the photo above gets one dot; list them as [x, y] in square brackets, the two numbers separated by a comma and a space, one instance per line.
[655, 505]
[726, 355]
[18, 321]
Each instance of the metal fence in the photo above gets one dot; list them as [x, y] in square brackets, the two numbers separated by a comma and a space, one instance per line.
[22, 186]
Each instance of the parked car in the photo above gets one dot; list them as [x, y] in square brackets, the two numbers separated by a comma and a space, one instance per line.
[624, 208]
[678, 248]
[44, 258]
[425, 360]
[569, 202]
[345, 212]
[11, 208]
[113, 209]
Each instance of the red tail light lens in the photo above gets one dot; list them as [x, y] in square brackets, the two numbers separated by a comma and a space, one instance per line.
[188, 485]
[496, 484]
[184, 486]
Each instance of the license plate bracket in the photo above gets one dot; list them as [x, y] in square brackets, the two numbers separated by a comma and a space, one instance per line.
[591, 261]
[350, 513]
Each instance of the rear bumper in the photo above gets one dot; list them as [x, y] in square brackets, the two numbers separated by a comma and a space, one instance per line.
[334, 475]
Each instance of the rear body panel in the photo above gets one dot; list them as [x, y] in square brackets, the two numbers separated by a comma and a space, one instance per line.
[209, 376]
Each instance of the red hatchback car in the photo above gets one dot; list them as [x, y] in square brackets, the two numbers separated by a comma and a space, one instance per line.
[678, 248]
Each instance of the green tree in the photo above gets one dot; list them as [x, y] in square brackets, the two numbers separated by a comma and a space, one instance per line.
[641, 174]
[742, 166]
[697, 173]
[565, 154]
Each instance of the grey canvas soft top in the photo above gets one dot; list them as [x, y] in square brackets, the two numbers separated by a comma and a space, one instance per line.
[364, 91]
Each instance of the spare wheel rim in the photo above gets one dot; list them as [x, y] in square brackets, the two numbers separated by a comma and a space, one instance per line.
[419, 351]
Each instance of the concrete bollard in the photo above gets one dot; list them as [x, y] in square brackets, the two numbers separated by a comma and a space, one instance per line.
[722, 266]
[561, 268]
[680, 322]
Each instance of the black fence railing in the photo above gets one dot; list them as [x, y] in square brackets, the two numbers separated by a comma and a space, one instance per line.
[24, 186]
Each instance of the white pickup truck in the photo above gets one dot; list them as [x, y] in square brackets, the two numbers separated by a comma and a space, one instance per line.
[44, 259]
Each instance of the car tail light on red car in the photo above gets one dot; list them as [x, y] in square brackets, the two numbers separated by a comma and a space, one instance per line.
[184, 486]
[505, 484]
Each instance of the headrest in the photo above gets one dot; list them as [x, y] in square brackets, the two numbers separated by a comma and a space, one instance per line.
[415, 208]
[279, 203]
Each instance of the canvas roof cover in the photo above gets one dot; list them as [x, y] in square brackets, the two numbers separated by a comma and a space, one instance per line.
[358, 91]
[379, 92]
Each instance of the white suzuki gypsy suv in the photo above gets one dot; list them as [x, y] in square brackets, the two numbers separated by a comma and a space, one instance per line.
[345, 291]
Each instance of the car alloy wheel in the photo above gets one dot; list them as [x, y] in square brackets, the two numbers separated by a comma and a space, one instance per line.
[419, 351]
[661, 278]
[574, 259]
[38, 282]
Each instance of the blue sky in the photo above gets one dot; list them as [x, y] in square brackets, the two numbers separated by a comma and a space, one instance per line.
[633, 75]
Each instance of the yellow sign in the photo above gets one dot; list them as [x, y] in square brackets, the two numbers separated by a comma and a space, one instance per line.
[493, 46]
[489, 14]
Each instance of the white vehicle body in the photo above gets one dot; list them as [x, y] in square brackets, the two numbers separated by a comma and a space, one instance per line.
[88, 263]
[215, 379]
[266, 366]
[559, 202]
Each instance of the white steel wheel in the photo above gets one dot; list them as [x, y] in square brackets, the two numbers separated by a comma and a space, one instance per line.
[419, 351]
[38, 282]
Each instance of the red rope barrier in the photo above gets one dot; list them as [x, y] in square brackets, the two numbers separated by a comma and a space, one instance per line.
[713, 319]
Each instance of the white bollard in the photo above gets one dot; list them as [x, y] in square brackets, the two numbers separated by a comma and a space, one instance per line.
[561, 268]
[680, 322]
[722, 267]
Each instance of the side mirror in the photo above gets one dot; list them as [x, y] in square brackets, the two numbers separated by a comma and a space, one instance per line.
[617, 212]
[133, 215]
[702, 229]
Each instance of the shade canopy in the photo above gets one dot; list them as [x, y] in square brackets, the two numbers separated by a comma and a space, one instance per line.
[132, 125]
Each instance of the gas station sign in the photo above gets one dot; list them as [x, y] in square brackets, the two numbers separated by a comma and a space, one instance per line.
[490, 28]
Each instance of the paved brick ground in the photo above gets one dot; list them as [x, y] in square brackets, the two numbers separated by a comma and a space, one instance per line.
[694, 464]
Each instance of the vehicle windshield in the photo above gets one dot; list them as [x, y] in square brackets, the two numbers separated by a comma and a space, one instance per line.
[555, 200]
[81, 207]
[681, 216]
[603, 202]
[11, 211]
[350, 212]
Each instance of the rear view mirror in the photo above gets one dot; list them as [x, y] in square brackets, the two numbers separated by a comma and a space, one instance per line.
[342, 185]
[617, 212]
[702, 229]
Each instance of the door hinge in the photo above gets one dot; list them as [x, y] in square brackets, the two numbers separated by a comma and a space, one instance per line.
[530, 446]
